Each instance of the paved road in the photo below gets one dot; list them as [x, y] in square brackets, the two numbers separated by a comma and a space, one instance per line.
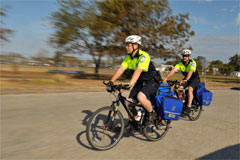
[52, 126]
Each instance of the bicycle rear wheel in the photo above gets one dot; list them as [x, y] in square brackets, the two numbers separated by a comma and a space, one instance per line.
[105, 128]
[157, 130]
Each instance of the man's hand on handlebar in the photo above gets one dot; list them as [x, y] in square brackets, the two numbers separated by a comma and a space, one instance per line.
[109, 86]
[112, 88]
[125, 87]
[183, 81]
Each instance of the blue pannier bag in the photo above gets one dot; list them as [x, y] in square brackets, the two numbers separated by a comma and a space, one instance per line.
[204, 96]
[163, 90]
[171, 108]
[201, 85]
[168, 107]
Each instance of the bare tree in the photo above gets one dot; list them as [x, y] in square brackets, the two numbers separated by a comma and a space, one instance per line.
[4, 32]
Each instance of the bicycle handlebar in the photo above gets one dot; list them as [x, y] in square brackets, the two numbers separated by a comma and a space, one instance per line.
[118, 87]
[171, 83]
[126, 86]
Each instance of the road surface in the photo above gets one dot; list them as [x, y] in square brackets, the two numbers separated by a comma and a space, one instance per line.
[52, 126]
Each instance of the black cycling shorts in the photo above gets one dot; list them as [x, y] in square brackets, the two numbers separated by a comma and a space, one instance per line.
[149, 88]
[193, 83]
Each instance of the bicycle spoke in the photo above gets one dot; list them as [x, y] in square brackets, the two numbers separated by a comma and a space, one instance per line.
[195, 113]
[104, 128]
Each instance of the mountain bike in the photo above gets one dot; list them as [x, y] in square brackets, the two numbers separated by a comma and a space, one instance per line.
[182, 94]
[106, 125]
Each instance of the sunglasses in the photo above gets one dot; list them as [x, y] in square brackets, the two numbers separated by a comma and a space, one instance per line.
[186, 55]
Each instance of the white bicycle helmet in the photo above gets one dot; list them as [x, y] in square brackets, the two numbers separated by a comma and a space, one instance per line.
[133, 39]
[186, 52]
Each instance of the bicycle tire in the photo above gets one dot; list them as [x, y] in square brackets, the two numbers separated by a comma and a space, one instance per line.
[197, 110]
[155, 134]
[94, 136]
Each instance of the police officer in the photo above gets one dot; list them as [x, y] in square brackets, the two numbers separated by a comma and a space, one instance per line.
[188, 67]
[142, 81]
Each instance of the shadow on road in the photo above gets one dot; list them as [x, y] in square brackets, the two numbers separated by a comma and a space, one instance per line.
[102, 117]
[88, 115]
[78, 137]
[230, 152]
[184, 117]
[84, 122]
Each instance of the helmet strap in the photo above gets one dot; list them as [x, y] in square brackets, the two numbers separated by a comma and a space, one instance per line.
[133, 50]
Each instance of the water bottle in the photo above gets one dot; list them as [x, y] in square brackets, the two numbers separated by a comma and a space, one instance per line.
[181, 96]
[139, 114]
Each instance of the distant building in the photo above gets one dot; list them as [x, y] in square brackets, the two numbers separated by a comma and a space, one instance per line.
[215, 71]
[165, 68]
[235, 74]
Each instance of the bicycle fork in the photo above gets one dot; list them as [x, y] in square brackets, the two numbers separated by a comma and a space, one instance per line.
[110, 119]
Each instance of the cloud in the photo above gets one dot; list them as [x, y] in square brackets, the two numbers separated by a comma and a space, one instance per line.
[238, 19]
[200, 20]
[29, 39]
[213, 24]
[215, 47]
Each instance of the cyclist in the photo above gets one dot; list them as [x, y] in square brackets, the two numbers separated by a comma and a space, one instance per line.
[188, 67]
[144, 72]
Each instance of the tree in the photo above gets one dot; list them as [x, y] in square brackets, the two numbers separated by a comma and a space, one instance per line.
[173, 63]
[71, 61]
[42, 56]
[99, 27]
[58, 57]
[216, 66]
[200, 63]
[227, 69]
[12, 58]
[235, 62]
[4, 32]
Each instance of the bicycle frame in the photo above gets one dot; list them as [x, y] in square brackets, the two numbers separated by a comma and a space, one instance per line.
[176, 91]
[112, 123]
[123, 100]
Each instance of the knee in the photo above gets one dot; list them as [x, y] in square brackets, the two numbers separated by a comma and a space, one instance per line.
[181, 87]
[141, 96]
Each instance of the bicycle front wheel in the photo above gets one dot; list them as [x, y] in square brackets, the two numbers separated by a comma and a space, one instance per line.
[105, 128]
[195, 112]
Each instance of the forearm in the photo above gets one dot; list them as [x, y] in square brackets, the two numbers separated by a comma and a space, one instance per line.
[135, 76]
[117, 74]
[171, 73]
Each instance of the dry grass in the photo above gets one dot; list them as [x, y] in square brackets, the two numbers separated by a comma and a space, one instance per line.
[45, 69]
[43, 84]
[37, 78]
[59, 78]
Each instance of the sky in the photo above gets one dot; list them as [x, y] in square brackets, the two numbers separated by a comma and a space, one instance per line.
[216, 24]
